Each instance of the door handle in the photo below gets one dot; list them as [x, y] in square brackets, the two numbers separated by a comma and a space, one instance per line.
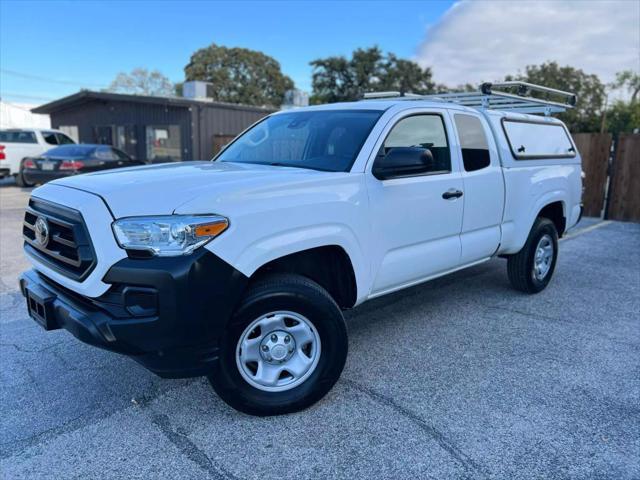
[452, 193]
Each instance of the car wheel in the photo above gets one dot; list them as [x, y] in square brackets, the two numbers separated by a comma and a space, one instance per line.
[531, 269]
[20, 180]
[284, 348]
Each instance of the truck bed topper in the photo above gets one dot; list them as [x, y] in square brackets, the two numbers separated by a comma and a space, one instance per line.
[508, 96]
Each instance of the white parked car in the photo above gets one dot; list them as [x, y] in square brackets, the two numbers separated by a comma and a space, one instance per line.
[18, 144]
[239, 268]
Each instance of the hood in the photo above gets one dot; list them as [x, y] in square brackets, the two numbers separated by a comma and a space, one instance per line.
[162, 189]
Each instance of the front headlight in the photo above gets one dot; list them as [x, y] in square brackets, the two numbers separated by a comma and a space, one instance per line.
[169, 235]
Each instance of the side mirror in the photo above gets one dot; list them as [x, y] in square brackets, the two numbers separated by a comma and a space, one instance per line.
[403, 162]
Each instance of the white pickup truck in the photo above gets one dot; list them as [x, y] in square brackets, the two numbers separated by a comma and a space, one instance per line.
[17, 144]
[239, 268]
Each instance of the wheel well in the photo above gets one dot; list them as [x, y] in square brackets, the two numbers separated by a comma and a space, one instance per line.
[555, 213]
[329, 266]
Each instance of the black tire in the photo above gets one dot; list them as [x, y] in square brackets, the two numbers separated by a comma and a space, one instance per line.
[276, 293]
[520, 267]
[20, 180]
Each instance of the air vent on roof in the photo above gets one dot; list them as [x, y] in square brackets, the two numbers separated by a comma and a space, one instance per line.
[197, 90]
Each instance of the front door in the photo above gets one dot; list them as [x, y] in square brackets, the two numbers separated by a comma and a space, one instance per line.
[415, 220]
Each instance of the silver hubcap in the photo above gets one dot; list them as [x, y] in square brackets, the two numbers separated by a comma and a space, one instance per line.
[278, 351]
[543, 257]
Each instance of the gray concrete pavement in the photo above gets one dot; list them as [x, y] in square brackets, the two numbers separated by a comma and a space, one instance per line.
[458, 378]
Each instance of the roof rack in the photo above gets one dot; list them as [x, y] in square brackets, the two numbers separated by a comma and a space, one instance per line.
[498, 96]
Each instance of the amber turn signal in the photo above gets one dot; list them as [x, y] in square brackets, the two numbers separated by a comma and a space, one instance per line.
[211, 229]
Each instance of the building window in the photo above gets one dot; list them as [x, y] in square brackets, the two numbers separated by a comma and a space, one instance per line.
[126, 139]
[70, 131]
[221, 141]
[163, 143]
[103, 135]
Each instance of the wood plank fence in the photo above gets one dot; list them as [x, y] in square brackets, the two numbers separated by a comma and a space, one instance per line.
[594, 149]
[612, 175]
[624, 200]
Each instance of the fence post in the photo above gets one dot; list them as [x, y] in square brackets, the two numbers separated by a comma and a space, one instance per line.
[595, 150]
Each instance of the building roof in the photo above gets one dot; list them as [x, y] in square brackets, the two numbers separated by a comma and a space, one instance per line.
[85, 96]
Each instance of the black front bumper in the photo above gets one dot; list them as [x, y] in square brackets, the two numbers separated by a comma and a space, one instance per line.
[166, 313]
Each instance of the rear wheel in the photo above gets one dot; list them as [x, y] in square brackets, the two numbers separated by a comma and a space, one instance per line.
[284, 349]
[531, 269]
[20, 180]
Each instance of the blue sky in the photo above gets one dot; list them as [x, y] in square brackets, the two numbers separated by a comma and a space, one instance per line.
[87, 43]
[53, 48]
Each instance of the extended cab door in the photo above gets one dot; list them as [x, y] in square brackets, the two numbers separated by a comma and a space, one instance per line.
[416, 218]
[483, 187]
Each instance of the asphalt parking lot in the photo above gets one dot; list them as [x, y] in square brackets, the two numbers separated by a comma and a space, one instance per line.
[459, 378]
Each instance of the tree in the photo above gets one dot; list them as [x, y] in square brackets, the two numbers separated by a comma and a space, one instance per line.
[462, 88]
[338, 79]
[587, 115]
[142, 82]
[630, 81]
[239, 75]
[623, 117]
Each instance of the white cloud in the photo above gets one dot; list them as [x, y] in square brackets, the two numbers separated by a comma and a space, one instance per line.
[484, 41]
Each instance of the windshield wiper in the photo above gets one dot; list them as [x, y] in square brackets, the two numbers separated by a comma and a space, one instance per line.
[280, 164]
[305, 167]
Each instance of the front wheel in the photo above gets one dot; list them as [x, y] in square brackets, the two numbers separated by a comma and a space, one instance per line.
[530, 270]
[283, 350]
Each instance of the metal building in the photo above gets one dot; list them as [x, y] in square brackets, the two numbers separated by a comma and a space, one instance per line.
[153, 129]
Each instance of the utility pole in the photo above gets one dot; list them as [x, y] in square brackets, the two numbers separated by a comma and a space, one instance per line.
[603, 125]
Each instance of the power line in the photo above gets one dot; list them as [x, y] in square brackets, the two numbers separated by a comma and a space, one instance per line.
[30, 97]
[29, 76]
[18, 106]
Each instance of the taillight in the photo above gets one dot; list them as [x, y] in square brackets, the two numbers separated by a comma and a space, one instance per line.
[71, 165]
[29, 164]
[2, 154]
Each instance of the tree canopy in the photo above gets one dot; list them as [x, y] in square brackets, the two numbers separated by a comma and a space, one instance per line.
[244, 76]
[587, 115]
[338, 79]
[142, 82]
[239, 75]
[624, 116]
[630, 81]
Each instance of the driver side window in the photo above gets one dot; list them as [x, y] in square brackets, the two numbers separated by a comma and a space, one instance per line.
[425, 131]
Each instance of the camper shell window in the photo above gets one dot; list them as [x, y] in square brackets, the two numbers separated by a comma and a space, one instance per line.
[531, 140]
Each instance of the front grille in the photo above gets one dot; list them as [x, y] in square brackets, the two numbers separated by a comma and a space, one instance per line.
[66, 246]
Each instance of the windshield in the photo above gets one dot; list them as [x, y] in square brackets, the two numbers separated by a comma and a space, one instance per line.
[322, 140]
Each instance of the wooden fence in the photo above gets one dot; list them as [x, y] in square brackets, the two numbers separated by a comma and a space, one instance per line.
[594, 149]
[612, 175]
[624, 200]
